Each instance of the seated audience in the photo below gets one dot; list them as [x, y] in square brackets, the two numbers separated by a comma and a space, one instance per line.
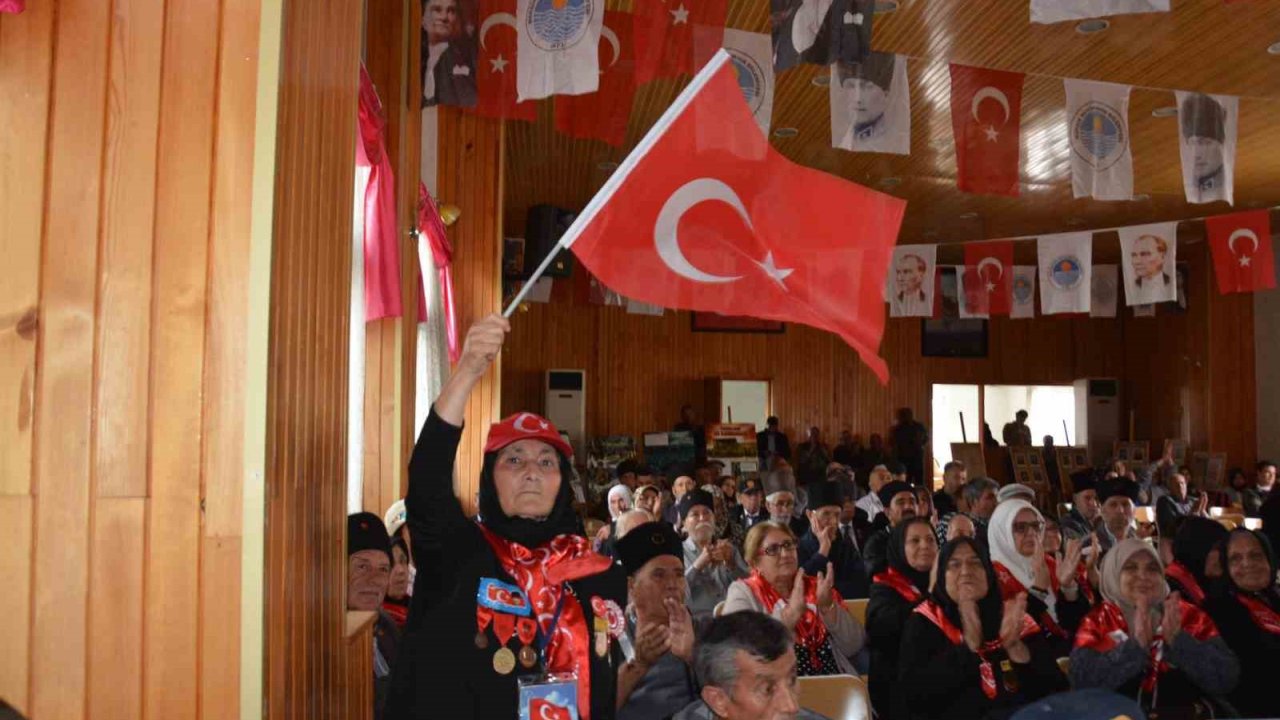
[618, 502]
[1147, 643]
[1196, 563]
[965, 652]
[870, 503]
[1091, 704]
[1086, 512]
[812, 457]
[1015, 491]
[626, 473]
[727, 527]
[1264, 480]
[681, 485]
[954, 526]
[1247, 612]
[894, 594]
[1237, 483]
[750, 504]
[746, 665]
[710, 564]
[1119, 498]
[948, 499]
[728, 485]
[898, 471]
[1052, 536]
[368, 573]
[827, 543]
[629, 521]
[396, 604]
[899, 500]
[658, 681]
[826, 636]
[1175, 503]
[649, 499]
[843, 476]
[849, 451]
[980, 496]
[780, 500]
[1024, 567]
[924, 504]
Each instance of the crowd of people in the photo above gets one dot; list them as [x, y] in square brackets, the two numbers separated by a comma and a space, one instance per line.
[707, 597]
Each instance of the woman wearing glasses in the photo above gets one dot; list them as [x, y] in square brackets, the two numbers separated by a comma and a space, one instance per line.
[826, 636]
[1024, 566]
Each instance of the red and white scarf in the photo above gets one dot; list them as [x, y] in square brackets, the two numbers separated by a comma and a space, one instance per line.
[1105, 628]
[810, 631]
[899, 582]
[986, 672]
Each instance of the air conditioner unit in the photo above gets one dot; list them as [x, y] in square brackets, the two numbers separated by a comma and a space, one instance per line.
[1098, 417]
[566, 405]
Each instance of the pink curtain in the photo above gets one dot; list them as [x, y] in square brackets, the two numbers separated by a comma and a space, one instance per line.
[12, 6]
[431, 227]
[381, 246]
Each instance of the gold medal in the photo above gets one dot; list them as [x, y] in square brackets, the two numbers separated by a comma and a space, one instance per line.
[504, 661]
[482, 640]
[528, 657]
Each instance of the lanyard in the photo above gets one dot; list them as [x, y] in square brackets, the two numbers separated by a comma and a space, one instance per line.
[545, 639]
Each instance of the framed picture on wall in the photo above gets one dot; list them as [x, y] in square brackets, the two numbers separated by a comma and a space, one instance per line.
[715, 322]
[948, 335]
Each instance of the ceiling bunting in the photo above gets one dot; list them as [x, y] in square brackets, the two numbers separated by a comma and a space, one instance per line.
[990, 264]
[496, 64]
[664, 34]
[1023, 294]
[1065, 272]
[1098, 127]
[871, 105]
[1207, 143]
[604, 114]
[973, 301]
[1052, 11]
[910, 284]
[1149, 254]
[749, 53]
[1105, 289]
[820, 32]
[559, 43]
[1243, 254]
[986, 115]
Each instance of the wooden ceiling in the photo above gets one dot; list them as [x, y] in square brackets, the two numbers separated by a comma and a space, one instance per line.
[1203, 45]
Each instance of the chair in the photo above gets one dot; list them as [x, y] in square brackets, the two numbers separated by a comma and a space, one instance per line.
[858, 609]
[839, 697]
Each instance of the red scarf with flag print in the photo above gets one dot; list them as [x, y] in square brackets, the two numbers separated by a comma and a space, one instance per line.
[542, 573]
[1190, 586]
[898, 581]
[810, 631]
[1104, 629]
[986, 673]
[1011, 587]
[1262, 614]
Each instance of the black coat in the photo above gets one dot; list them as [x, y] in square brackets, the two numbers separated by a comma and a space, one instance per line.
[846, 563]
[887, 614]
[440, 672]
[1257, 649]
[782, 446]
[455, 74]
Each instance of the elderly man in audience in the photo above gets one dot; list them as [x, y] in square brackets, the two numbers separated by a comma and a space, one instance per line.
[681, 485]
[780, 499]
[711, 565]
[980, 496]
[1119, 498]
[368, 574]
[746, 665]
[1086, 511]
[629, 521]
[657, 681]
[827, 542]
[948, 499]
[1263, 483]
[899, 500]
[1015, 491]
[870, 503]
[750, 509]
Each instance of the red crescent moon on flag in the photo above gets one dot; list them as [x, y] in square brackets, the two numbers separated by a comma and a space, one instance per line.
[993, 93]
[496, 19]
[1242, 233]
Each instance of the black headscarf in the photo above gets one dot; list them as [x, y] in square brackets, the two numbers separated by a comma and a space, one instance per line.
[897, 554]
[1196, 539]
[1229, 585]
[563, 520]
[990, 608]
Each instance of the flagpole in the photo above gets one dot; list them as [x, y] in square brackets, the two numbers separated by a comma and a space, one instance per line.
[620, 175]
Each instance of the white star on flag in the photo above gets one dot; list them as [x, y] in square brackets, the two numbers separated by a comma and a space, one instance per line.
[991, 132]
[499, 64]
[1244, 261]
[991, 287]
[773, 271]
[679, 16]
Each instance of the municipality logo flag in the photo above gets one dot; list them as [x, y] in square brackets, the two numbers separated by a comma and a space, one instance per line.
[1207, 134]
[1065, 272]
[1022, 303]
[1098, 126]
[871, 105]
[749, 53]
[558, 47]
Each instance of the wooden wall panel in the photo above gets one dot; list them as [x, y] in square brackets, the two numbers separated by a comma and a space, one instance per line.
[116, 606]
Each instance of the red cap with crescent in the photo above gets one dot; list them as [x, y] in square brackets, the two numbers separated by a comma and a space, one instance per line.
[525, 426]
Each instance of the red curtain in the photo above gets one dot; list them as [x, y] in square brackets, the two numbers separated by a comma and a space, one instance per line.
[432, 230]
[381, 249]
[12, 6]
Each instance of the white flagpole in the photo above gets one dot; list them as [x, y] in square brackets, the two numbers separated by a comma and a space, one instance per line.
[624, 170]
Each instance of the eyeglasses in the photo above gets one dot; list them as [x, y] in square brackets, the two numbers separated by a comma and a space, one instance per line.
[778, 548]
[1022, 528]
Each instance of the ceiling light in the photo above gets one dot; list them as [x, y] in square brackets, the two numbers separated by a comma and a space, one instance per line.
[885, 6]
[607, 165]
[786, 132]
[1075, 222]
[890, 182]
[1089, 27]
[1274, 48]
[822, 79]
[1165, 111]
[969, 216]
[1141, 197]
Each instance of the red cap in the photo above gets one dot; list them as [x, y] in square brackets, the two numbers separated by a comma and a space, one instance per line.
[525, 426]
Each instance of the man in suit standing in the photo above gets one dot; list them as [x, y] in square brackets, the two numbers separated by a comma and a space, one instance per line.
[448, 57]
[772, 443]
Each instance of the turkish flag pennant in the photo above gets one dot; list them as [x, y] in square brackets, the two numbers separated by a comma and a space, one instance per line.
[603, 115]
[705, 215]
[664, 34]
[986, 116]
[543, 709]
[496, 64]
[991, 265]
[1243, 256]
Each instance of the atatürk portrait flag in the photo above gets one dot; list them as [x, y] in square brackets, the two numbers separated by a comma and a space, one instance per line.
[986, 115]
[1207, 131]
[988, 274]
[1243, 255]
[820, 32]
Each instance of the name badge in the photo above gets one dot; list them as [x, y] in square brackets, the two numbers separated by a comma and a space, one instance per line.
[549, 697]
[502, 597]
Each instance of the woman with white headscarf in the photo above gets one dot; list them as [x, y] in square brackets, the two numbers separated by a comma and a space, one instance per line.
[1054, 598]
[618, 501]
[1146, 642]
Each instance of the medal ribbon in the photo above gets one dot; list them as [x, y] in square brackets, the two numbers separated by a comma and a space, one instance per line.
[484, 616]
[503, 626]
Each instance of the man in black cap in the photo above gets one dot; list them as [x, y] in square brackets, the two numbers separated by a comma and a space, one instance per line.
[827, 542]
[710, 564]
[368, 574]
[750, 508]
[1119, 498]
[899, 500]
[657, 680]
[1086, 511]
[1204, 135]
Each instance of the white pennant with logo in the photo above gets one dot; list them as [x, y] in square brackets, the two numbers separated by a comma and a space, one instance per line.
[1098, 130]
[558, 47]
[1065, 272]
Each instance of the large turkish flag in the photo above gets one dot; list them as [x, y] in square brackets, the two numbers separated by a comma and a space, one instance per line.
[603, 115]
[986, 116]
[706, 215]
[990, 265]
[1243, 256]
[664, 34]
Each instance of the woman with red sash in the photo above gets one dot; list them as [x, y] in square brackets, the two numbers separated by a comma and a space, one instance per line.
[826, 636]
[894, 594]
[1195, 567]
[1147, 643]
[514, 596]
[1247, 612]
[1054, 596]
[965, 652]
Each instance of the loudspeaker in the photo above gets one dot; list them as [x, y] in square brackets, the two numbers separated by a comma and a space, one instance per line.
[544, 226]
[566, 405]
[1098, 417]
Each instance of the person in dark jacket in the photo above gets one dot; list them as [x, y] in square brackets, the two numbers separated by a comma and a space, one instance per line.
[910, 438]
[965, 652]
[369, 563]
[894, 594]
[825, 543]
[1195, 567]
[772, 443]
[517, 593]
[899, 501]
[1247, 613]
